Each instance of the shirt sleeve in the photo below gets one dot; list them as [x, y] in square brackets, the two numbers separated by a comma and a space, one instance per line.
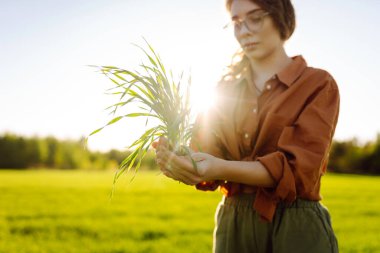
[303, 147]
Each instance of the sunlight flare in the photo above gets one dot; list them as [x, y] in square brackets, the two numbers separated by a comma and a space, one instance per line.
[203, 98]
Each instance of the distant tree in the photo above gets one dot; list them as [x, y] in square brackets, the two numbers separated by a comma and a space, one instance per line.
[52, 147]
[12, 152]
[371, 159]
[350, 157]
[345, 157]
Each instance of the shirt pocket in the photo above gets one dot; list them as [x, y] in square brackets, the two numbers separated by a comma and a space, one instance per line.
[270, 132]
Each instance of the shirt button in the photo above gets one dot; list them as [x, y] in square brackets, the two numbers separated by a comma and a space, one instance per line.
[246, 135]
[254, 110]
[269, 86]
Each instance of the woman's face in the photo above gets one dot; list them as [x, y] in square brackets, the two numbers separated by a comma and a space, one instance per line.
[261, 41]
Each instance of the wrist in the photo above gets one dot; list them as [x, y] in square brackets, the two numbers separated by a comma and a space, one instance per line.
[218, 168]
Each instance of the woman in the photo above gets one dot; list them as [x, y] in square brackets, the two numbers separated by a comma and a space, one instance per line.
[266, 141]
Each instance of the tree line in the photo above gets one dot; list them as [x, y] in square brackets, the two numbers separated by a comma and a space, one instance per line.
[354, 158]
[18, 152]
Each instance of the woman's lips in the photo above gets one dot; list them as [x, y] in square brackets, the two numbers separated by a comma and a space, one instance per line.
[250, 45]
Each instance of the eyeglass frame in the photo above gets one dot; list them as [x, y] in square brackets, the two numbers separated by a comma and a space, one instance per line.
[243, 21]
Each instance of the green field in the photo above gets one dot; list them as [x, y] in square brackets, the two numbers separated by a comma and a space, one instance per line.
[70, 211]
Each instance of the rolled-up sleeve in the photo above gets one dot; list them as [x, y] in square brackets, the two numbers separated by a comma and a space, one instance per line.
[302, 148]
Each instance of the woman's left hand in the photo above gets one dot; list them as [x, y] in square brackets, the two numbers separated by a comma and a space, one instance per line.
[181, 168]
[177, 167]
[207, 165]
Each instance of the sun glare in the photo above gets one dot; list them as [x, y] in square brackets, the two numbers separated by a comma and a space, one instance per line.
[202, 98]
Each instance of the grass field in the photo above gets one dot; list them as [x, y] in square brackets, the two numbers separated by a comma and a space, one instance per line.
[70, 211]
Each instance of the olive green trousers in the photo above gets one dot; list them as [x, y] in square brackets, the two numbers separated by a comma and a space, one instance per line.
[304, 226]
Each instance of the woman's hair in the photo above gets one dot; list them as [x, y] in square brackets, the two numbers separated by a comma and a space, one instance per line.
[283, 16]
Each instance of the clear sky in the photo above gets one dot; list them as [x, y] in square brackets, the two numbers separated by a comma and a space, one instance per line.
[47, 89]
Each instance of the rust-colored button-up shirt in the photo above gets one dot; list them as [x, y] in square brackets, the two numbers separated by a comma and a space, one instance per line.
[288, 128]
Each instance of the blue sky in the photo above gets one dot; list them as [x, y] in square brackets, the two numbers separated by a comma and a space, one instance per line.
[46, 87]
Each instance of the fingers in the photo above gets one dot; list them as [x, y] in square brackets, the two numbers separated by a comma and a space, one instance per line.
[162, 156]
[163, 141]
[173, 166]
[168, 173]
[178, 171]
[183, 163]
[185, 176]
[177, 167]
[177, 174]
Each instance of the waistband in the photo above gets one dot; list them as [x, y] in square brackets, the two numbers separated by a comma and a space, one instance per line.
[246, 200]
[232, 188]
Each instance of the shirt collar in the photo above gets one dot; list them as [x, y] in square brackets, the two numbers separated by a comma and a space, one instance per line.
[287, 76]
[292, 71]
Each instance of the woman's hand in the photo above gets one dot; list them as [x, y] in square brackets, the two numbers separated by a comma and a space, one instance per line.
[207, 165]
[179, 168]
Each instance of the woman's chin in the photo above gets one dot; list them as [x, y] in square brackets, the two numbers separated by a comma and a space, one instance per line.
[257, 54]
[254, 53]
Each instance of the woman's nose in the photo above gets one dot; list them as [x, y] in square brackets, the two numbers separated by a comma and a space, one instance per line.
[243, 31]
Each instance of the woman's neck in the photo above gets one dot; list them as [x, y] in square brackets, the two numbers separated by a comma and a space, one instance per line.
[263, 69]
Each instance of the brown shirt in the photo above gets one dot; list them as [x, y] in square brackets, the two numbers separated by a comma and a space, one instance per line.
[288, 128]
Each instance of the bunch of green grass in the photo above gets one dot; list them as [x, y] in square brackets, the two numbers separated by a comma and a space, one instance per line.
[157, 96]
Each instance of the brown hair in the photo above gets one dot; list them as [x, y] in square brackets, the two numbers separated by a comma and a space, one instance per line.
[283, 16]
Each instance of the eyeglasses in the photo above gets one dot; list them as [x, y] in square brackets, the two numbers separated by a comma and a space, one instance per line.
[253, 21]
